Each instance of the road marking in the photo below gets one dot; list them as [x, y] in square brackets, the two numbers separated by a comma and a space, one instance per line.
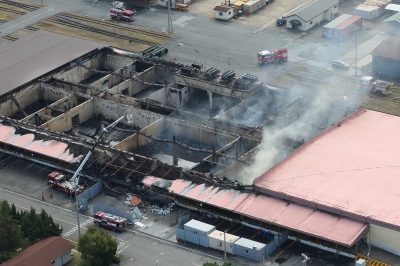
[41, 169]
[27, 20]
[285, 14]
[75, 228]
[123, 249]
[29, 166]
[195, 264]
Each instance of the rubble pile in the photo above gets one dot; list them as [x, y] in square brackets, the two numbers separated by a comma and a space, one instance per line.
[162, 210]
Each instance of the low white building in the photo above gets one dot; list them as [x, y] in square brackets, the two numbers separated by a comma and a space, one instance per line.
[216, 241]
[223, 12]
[312, 14]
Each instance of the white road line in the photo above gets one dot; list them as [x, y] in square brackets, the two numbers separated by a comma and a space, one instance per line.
[285, 14]
[123, 249]
[75, 228]
[27, 20]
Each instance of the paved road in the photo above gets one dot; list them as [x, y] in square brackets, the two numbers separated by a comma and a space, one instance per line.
[134, 247]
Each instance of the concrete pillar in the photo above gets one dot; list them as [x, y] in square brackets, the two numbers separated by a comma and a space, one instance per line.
[174, 152]
[137, 137]
[210, 95]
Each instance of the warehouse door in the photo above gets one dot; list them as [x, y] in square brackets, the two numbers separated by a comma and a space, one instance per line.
[386, 239]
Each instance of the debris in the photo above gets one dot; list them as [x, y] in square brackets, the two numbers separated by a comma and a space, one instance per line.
[164, 211]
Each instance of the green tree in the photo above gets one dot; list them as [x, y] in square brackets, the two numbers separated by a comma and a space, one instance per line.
[10, 232]
[36, 226]
[97, 243]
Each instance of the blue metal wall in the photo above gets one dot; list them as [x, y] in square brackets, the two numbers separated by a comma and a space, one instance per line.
[270, 248]
[87, 194]
[256, 255]
[192, 237]
[281, 238]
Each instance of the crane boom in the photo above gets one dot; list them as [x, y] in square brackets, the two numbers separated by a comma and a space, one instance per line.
[75, 178]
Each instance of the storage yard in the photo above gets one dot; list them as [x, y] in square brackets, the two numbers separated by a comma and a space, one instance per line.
[220, 141]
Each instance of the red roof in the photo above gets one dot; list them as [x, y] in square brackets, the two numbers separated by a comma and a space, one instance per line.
[51, 148]
[272, 210]
[41, 253]
[351, 169]
[222, 8]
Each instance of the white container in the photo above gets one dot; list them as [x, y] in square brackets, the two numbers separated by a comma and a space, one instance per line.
[216, 241]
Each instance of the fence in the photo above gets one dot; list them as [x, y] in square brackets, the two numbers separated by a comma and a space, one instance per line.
[87, 194]
[104, 208]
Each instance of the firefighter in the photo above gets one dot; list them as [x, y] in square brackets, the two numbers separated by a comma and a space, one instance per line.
[51, 194]
[42, 195]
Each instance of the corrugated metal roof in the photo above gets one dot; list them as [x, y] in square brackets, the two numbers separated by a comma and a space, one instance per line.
[395, 17]
[244, 242]
[199, 225]
[313, 9]
[222, 8]
[352, 168]
[336, 22]
[37, 54]
[216, 234]
[393, 7]
[51, 148]
[389, 48]
[309, 221]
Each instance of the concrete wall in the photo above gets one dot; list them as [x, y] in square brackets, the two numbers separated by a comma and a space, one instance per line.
[113, 111]
[37, 119]
[125, 85]
[118, 98]
[64, 122]
[24, 98]
[235, 168]
[160, 96]
[77, 88]
[77, 74]
[177, 97]
[196, 133]
[135, 141]
[113, 62]
[164, 74]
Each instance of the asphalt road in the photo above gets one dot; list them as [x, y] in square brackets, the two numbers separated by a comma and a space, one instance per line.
[134, 247]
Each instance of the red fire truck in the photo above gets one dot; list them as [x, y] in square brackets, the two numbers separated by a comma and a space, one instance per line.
[376, 85]
[280, 54]
[121, 14]
[110, 221]
[59, 181]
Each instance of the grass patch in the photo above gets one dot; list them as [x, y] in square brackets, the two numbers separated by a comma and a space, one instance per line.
[76, 260]
[90, 36]
[7, 16]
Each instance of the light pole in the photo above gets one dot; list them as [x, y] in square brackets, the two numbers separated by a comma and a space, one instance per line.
[356, 31]
[75, 178]
[225, 246]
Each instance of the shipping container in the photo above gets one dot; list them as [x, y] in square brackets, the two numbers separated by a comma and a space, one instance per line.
[371, 9]
[238, 5]
[259, 4]
[216, 241]
[346, 28]
[197, 232]
[247, 7]
[249, 249]
[328, 29]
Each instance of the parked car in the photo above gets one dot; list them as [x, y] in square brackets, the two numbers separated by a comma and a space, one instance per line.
[281, 21]
[340, 64]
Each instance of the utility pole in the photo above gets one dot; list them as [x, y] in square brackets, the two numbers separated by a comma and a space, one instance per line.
[225, 246]
[170, 30]
[356, 30]
[369, 248]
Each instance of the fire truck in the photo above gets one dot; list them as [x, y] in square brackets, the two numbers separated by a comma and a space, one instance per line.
[110, 221]
[280, 54]
[59, 181]
[121, 14]
[375, 85]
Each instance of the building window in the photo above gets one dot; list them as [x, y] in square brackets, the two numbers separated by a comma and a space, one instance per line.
[229, 12]
[310, 22]
[334, 6]
[219, 244]
[220, 14]
[246, 251]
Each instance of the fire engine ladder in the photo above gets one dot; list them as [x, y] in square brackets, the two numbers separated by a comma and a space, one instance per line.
[372, 262]
[18, 106]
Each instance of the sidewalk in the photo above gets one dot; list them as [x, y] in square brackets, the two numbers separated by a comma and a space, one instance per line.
[26, 20]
